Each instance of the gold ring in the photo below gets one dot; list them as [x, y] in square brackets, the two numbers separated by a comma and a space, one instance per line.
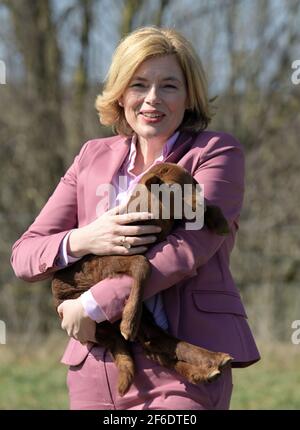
[125, 243]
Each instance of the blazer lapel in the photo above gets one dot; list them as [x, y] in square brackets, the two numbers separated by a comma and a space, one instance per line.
[181, 146]
[111, 160]
[118, 151]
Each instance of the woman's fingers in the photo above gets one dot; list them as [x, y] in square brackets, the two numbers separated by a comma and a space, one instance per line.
[136, 244]
[137, 230]
[141, 240]
[132, 217]
[121, 250]
[105, 233]
[136, 240]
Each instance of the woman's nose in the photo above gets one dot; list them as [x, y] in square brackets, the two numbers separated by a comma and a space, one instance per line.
[152, 96]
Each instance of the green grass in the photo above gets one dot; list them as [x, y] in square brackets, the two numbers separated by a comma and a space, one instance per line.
[266, 389]
[34, 385]
[36, 379]
[32, 377]
[272, 383]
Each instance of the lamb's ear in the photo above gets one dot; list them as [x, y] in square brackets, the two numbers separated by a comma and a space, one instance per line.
[215, 220]
[154, 179]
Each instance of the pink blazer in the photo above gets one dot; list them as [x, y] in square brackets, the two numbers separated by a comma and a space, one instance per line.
[190, 268]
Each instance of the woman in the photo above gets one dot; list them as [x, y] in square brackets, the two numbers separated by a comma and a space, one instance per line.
[156, 98]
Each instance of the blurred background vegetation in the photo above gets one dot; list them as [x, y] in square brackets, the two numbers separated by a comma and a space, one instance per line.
[56, 54]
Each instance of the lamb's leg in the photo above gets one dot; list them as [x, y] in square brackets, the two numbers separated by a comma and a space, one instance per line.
[184, 351]
[156, 341]
[110, 337]
[192, 373]
[124, 361]
[131, 317]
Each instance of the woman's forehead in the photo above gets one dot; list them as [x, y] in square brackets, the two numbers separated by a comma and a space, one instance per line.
[165, 67]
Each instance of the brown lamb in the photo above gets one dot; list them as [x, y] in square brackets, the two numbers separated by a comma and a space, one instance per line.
[192, 362]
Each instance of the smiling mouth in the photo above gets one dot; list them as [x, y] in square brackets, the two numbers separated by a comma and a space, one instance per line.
[152, 115]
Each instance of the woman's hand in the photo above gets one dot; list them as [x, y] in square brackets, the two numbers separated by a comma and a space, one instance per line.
[103, 236]
[76, 322]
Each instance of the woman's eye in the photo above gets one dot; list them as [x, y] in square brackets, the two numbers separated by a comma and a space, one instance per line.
[140, 85]
[137, 85]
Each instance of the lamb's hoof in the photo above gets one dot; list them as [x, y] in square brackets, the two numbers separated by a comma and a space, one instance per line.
[125, 335]
[128, 331]
[125, 379]
[227, 360]
[123, 386]
[193, 373]
[215, 374]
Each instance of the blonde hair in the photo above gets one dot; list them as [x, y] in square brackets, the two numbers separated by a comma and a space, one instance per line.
[132, 51]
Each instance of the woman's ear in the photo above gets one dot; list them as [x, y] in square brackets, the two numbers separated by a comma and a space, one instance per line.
[120, 102]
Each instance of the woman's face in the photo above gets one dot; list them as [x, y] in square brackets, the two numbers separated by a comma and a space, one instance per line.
[156, 98]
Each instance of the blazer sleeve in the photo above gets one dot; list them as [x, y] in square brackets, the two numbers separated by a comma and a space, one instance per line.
[35, 255]
[220, 169]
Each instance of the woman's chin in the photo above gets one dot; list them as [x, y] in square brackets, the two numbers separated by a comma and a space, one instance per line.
[150, 132]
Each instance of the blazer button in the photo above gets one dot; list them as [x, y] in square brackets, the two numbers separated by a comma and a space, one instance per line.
[43, 267]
